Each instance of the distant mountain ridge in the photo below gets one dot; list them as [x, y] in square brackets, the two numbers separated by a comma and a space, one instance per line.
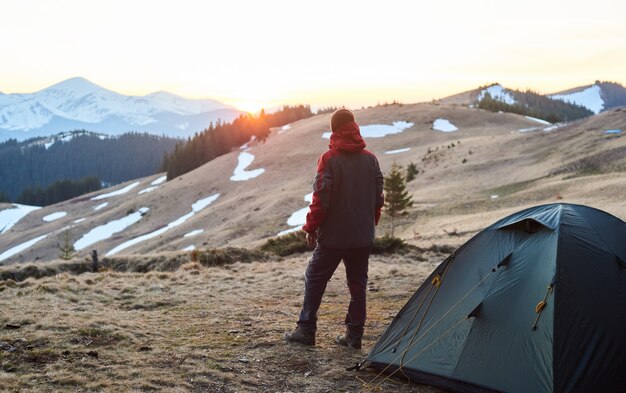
[77, 103]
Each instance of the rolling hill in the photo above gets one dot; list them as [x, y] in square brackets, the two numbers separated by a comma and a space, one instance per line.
[598, 97]
[570, 104]
[479, 166]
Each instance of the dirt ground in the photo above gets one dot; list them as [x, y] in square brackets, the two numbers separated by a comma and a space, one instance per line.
[196, 329]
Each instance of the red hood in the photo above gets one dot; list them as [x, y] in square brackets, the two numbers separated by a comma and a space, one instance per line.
[347, 138]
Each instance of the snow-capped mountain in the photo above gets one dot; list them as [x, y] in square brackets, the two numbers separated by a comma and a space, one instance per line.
[77, 103]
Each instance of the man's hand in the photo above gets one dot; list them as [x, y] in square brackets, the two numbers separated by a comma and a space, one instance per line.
[311, 239]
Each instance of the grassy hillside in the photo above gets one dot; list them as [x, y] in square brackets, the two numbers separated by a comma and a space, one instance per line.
[458, 173]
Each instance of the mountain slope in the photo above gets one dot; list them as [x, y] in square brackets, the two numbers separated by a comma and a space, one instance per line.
[597, 97]
[79, 104]
[497, 98]
[491, 166]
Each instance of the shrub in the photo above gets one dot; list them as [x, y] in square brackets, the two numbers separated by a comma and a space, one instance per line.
[294, 243]
[291, 243]
[228, 255]
[389, 245]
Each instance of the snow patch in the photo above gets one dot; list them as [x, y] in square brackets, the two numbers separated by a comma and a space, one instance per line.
[245, 146]
[116, 193]
[100, 206]
[444, 125]
[494, 196]
[147, 190]
[79, 220]
[54, 216]
[107, 230]
[189, 248]
[21, 247]
[159, 181]
[194, 233]
[554, 127]
[379, 130]
[590, 98]
[243, 161]
[613, 131]
[298, 218]
[10, 217]
[497, 92]
[196, 207]
[202, 203]
[284, 128]
[540, 121]
[398, 151]
[529, 129]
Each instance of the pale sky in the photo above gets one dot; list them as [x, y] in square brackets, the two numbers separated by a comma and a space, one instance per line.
[353, 53]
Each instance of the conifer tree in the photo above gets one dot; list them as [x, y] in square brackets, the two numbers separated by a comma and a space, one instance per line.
[397, 199]
[4, 197]
[66, 248]
[411, 171]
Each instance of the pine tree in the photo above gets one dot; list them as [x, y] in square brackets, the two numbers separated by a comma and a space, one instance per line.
[397, 199]
[66, 249]
[4, 197]
[411, 171]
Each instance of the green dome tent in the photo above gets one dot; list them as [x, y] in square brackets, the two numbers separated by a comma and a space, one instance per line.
[534, 303]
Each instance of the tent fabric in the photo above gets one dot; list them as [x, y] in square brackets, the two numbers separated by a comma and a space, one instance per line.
[474, 325]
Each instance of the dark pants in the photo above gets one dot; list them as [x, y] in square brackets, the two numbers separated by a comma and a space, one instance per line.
[321, 268]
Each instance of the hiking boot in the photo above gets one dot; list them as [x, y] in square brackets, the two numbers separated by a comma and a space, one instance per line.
[349, 341]
[301, 336]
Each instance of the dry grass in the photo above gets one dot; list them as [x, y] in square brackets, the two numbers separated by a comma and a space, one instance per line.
[161, 262]
[199, 329]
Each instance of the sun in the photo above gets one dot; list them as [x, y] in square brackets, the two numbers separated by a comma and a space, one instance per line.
[249, 106]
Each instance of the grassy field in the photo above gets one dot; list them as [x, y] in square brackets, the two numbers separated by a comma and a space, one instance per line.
[198, 329]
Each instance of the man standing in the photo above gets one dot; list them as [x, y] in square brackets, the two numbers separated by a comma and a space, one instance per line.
[347, 200]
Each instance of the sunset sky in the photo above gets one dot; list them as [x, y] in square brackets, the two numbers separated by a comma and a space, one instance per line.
[353, 53]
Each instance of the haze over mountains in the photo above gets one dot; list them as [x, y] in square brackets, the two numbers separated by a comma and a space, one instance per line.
[77, 103]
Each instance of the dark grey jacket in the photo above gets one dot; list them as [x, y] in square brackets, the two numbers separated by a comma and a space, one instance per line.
[347, 199]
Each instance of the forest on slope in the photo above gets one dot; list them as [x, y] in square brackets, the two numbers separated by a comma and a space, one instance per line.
[34, 164]
[221, 138]
[529, 103]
